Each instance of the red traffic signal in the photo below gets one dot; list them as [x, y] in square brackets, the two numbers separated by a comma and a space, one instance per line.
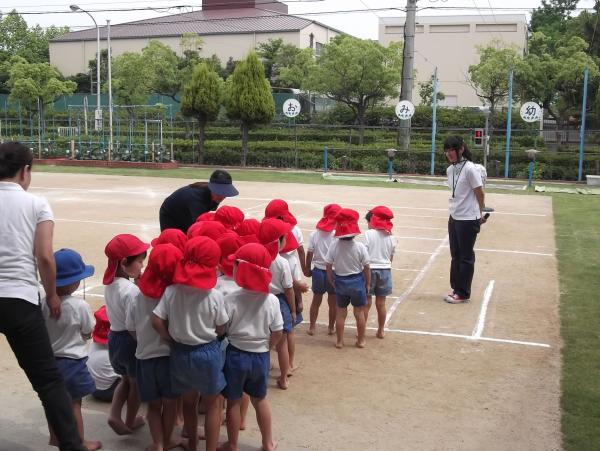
[478, 137]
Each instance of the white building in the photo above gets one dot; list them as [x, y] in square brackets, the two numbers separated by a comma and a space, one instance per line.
[450, 43]
[228, 28]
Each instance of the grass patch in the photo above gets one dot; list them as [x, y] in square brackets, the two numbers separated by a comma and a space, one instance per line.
[577, 220]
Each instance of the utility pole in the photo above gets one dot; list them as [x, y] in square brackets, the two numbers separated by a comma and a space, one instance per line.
[408, 56]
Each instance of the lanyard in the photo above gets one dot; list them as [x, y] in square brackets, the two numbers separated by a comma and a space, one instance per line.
[455, 183]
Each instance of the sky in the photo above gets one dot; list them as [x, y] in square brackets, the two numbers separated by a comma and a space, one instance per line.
[362, 22]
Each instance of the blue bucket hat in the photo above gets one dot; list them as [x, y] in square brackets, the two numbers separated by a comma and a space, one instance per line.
[70, 267]
[221, 184]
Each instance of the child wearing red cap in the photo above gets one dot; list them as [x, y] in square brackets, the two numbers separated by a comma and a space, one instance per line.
[191, 315]
[171, 236]
[255, 326]
[231, 217]
[318, 244]
[99, 366]
[228, 243]
[348, 271]
[69, 335]
[273, 234]
[380, 244]
[153, 351]
[126, 254]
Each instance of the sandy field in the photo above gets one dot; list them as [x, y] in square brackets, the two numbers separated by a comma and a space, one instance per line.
[479, 376]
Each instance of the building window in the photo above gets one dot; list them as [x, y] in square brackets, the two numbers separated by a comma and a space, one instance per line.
[449, 28]
[496, 27]
[394, 29]
[318, 46]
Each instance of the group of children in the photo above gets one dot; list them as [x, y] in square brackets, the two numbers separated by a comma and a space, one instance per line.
[201, 319]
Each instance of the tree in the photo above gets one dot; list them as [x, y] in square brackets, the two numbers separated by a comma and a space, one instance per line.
[163, 62]
[36, 85]
[268, 51]
[489, 77]
[201, 99]
[132, 80]
[32, 44]
[248, 98]
[551, 18]
[356, 72]
[293, 72]
[426, 92]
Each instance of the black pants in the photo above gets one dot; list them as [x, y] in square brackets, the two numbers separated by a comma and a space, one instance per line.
[462, 235]
[25, 330]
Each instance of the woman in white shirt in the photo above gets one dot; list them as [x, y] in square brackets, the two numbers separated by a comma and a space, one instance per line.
[26, 229]
[466, 204]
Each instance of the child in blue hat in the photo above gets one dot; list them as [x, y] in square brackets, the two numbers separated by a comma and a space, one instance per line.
[70, 332]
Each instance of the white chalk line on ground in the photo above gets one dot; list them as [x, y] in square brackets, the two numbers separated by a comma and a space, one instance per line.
[153, 194]
[415, 282]
[487, 295]
[450, 335]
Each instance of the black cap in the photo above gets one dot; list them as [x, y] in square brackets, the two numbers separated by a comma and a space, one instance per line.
[220, 183]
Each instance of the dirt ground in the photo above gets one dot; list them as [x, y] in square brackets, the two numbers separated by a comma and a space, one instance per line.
[479, 376]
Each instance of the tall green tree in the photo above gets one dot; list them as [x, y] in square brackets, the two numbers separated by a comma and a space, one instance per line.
[248, 98]
[552, 16]
[36, 85]
[163, 62]
[426, 92]
[293, 71]
[132, 80]
[490, 76]
[356, 72]
[202, 99]
[267, 52]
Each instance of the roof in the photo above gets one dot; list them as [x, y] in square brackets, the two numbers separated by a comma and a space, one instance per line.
[239, 21]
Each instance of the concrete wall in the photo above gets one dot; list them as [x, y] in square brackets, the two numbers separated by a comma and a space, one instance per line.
[450, 43]
[72, 57]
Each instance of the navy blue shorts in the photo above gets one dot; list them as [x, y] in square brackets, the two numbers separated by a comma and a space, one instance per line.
[77, 378]
[121, 352]
[320, 283]
[154, 379]
[381, 282]
[246, 372]
[350, 290]
[198, 367]
[286, 313]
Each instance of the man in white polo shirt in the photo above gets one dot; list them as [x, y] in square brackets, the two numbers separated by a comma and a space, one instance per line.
[26, 228]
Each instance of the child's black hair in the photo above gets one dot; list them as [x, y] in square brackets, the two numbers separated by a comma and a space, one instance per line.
[13, 157]
[347, 238]
[456, 142]
[368, 216]
[129, 260]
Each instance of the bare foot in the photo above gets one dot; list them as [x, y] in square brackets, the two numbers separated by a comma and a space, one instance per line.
[177, 442]
[339, 345]
[360, 344]
[137, 423]
[118, 426]
[242, 426]
[92, 445]
[380, 334]
[226, 447]
[311, 330]
[154, 447]
[292, 369]
[282, 383]
[271, 447]
[201, 433]
[331, 331]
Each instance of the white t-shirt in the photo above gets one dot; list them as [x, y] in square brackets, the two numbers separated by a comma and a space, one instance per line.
[193, 314]
[117, 296]
[319, 243]
[347, 257]
[67, 333]
[381, 246]
[139, 319]
[281, 275]
[226, 285]
[20, 213]
[100, 367]
[298, 234]
[252, 318]
[463, 178]
[294, 262]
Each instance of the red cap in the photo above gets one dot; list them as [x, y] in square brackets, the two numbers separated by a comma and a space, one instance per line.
[381, 218]
[229, 244]
[211, 229]
[160, 270]
[120, 247]
[199, 265]
[231, 217]
[327, 222]
[278, 208]
[208, 216]
[171, 236]
[102, 327]
[270, 231]
[253, 262]
[347, 223]
[248, 230]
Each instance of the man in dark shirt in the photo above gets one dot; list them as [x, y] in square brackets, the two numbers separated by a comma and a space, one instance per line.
[181, 209]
